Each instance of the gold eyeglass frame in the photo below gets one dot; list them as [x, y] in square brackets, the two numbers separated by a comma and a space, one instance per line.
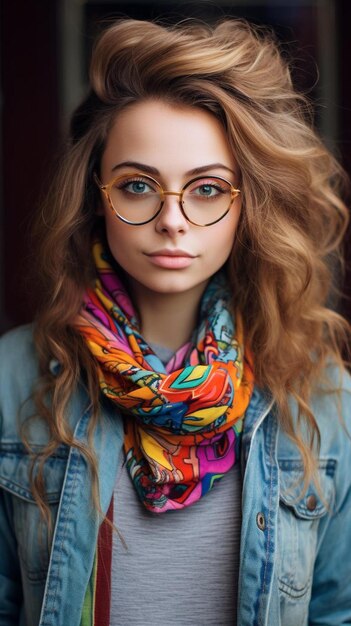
[163, 193]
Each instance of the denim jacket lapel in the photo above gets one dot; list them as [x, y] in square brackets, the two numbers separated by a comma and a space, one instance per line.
[259, 513]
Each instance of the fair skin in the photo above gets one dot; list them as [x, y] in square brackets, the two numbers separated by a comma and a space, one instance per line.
[170, 142]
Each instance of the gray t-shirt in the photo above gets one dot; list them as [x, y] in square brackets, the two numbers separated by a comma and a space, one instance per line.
[180, 568]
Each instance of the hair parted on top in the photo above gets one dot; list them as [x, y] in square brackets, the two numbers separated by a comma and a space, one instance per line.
[292, 217]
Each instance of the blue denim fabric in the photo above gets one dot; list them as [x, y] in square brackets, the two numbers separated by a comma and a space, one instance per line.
[295, 568]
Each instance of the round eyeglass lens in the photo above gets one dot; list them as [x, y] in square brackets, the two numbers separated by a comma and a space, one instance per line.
[135, 199]
[206, 200]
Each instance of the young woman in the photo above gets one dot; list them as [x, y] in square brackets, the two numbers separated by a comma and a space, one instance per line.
[175, 426]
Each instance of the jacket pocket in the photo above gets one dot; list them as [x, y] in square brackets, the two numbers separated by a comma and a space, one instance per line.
[31, 531]
[298, 522]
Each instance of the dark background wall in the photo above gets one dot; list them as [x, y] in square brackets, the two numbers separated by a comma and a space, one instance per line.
[45, 47]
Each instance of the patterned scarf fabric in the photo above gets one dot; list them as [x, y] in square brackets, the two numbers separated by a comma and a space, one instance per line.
[182, 422]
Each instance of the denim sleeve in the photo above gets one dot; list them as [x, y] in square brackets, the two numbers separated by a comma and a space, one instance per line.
[11, 598]
[331, 592]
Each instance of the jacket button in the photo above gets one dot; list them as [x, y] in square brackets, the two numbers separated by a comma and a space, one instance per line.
[54, 367]
[261, 521]
[311, 502]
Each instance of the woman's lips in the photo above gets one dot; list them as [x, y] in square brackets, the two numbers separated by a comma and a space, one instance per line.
[175, 259]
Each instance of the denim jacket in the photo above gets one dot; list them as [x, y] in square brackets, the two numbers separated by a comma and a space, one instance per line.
[295, 565]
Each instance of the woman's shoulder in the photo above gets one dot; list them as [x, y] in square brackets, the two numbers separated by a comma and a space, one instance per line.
[19, 376]
[332, 396]
[17, 341]
[337, 377]
[18, 360]
[330, 404]
[19, 372]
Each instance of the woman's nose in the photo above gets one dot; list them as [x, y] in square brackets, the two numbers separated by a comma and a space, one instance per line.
[171, 218]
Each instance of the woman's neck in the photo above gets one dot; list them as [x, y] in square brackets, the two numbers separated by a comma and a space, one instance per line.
[168, 319]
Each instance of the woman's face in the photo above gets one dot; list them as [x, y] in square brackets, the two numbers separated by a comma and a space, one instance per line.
[170, 143]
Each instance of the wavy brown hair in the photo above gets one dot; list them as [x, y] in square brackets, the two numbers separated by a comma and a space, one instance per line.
[291, 226]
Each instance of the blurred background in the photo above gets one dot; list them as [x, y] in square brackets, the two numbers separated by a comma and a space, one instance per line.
[45, 49]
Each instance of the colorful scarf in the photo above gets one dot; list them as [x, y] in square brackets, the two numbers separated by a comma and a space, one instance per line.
[182, 422]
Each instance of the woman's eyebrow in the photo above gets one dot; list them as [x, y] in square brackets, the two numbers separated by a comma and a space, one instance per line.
[211, 166]
[140, 166]
[153, 170]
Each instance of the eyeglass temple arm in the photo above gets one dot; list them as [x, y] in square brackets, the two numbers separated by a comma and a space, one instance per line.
[98, 182]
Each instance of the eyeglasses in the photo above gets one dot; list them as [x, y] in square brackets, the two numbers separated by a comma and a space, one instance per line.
[137, 199]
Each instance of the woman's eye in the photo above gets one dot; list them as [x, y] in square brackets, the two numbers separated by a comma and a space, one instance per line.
[135, 187]
[207, 190]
